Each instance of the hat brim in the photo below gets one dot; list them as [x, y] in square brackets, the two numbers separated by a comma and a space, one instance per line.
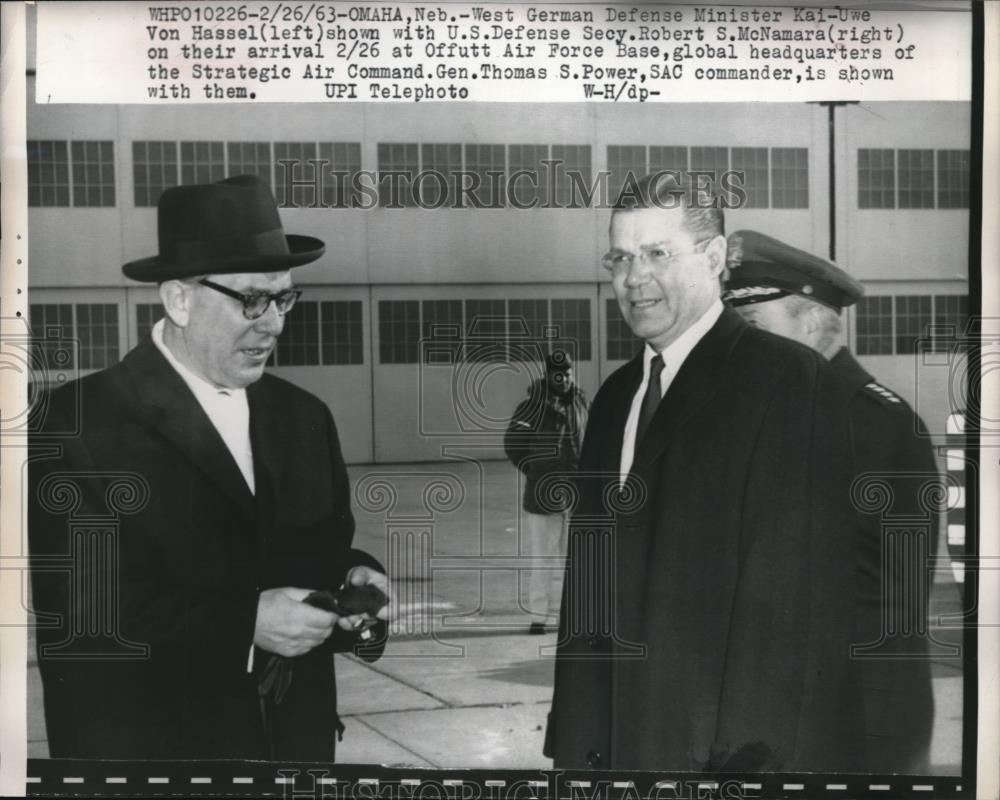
[301, 250]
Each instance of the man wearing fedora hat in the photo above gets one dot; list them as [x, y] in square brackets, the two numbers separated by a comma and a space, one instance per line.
[240, 508]
[800, 296]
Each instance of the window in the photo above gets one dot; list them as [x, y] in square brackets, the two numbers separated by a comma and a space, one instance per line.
[341, 163]
[202, 162]
[486, 330]
[622, 343]
[154, 168]
[529, 185]
[396, 191]
[789, 177]
[295, 174]
[667, 158]
[52, 333]
[527, 320]
[146, 316]
[249, 158]
[711, 160]
[298, 345]
[623, 161]
[341, 332]
[572, 178]
[752, 163]
[951, 312]
[93, 173]
[438, 182]
[399, 331]
[487, 162]
[876, 179]
[48, 174]
[953, 178]
[442, 331]
[571, 319]
[97, 330]
[874, 326]
[913, 316]
[915, 171]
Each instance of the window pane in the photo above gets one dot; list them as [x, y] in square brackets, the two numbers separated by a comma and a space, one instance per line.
[913, 316]
[916, 178]
[876, 179]
[52, 334]
[527, 320]
[625, 162]
[202, 162]
[97, 329]
[951, 312]
[571, 320]
[529, 185]
[342, 332]
[298, 345]
[399, 331]
[874, 326]
[953, 178]
[398, 164]
[442, 331]
[437, 182]
[48, 176]
[789, 177]
[249, 158]
[622, 343]
[751, 162]
[93, 174]
[146, 316]
[572, 179]
[341, 164]
[486, 330]
[154, 168]
[296, 175]
[488, 163]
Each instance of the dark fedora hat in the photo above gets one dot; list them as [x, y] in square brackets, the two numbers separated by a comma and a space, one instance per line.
[218, 228]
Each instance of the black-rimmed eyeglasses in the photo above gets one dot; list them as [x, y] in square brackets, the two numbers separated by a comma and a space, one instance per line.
[255, 303]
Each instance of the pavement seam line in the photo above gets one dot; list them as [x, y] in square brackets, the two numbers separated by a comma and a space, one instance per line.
[400, 745]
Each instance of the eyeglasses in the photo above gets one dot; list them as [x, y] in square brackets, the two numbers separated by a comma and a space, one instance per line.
[618, 261]
[255, 304]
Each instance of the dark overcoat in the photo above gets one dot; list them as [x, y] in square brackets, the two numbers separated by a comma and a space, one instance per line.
[705, 624]
[190, 550]
[543, 442]
[892, 449]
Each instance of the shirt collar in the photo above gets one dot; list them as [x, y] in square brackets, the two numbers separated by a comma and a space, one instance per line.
[680, 348]
[197, 384]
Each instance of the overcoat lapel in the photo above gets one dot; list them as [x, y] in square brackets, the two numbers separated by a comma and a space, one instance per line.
[691, 389]
[170, 407]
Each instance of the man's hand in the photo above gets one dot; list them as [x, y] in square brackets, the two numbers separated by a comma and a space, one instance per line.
[287, 626]
[362, 576]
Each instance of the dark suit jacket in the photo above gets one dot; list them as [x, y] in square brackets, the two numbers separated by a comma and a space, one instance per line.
[724, 571]
[890, 444]
[191, 549]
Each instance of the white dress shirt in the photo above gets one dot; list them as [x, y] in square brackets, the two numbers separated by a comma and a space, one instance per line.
[673, 356]
[227, 409]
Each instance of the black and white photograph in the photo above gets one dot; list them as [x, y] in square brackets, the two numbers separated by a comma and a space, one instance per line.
[381, 441]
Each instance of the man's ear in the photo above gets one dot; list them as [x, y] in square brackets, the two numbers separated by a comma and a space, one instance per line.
[176, 299]
[716, 252]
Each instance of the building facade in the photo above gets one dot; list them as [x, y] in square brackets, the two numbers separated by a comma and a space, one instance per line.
[428, 315]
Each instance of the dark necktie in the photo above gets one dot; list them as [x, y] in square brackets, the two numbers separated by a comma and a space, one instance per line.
[651, 399]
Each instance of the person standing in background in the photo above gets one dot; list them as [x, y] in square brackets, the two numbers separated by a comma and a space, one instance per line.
[543, 442]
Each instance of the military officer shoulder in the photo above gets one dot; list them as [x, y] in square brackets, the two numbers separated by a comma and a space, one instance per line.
[878, 392]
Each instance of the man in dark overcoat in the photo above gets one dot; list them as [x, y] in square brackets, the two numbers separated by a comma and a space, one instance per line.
[196, 501]
[796, 294]
[704, 626]
[543, 442]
